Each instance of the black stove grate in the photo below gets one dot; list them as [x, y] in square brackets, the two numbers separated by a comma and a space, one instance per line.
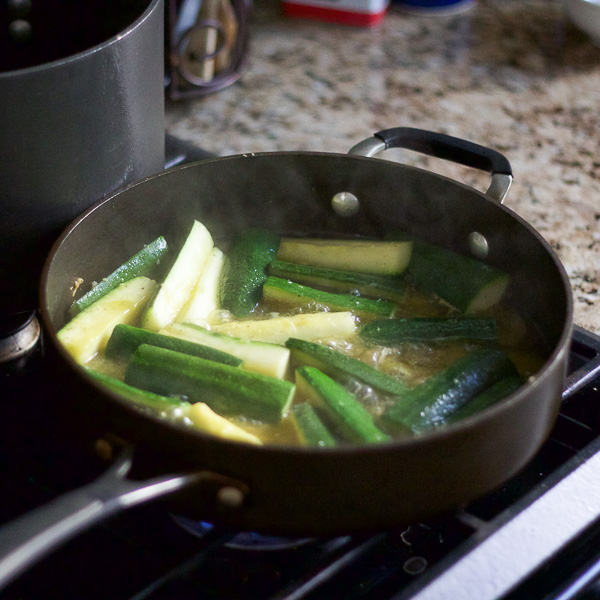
[146, 554]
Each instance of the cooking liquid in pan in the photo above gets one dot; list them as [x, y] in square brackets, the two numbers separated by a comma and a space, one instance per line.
[412, 362]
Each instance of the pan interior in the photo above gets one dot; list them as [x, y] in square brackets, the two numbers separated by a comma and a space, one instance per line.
[291, 193]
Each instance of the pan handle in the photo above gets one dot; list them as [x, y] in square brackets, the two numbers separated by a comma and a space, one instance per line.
[443, 146]
[29, 538]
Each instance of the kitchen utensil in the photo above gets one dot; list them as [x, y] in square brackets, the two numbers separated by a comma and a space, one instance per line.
[320, 491]
[207, 45]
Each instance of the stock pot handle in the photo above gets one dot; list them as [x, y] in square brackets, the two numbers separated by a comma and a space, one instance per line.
[446, 147]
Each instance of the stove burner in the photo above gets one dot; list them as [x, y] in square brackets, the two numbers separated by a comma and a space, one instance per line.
[19, 334]
[243, 540]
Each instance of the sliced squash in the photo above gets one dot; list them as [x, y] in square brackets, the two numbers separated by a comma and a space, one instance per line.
[362, 256]
[268, 359]
[206, 419]
[204, 297]
[278, 330]
[181, 279]
[88, 332]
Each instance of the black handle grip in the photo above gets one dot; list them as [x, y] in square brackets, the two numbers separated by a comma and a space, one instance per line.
[447, 147]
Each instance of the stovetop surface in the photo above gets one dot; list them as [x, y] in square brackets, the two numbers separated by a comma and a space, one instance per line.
[150, 553]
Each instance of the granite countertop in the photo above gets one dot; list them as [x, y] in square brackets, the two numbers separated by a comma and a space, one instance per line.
[516, 76]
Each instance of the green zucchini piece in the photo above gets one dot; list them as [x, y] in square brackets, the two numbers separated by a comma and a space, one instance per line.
[488, 397]
[466, 283]
[384, 287]
[244, 272]
[126, 339]
[262, 357]
[363, 256]
[88, 332]
[227, 390]
[309, 427]
[348, 415]
[287, 292]
[138, 396]
[277, 330]
[205, 295]
[141, 263]
[391, 332]
[431, 403]
[340, 366]
[181, 279]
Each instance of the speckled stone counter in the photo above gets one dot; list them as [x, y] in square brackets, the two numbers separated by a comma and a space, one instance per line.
[516, 76]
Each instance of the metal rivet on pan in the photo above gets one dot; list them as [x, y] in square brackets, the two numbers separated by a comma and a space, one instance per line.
[104, 449]
[20, 30]
[345, 204]
[230, 496]
[478, 245]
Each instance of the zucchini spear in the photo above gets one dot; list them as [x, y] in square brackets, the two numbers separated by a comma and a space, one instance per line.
[384, 287]
[391, 332]
[199, 414]
[244, 272]
[88, 332]
[178, 284]
[140, 264]
[287, 292]
[141, 398]
[262, 357]
[339, 365]
[227, 390]
[206, 419]
[277, 330]
[348, 414]
[309, 427]
[363, 256]
[126, 339]
[493, 394]
[466, 283]
[431, 403]
[204, 297]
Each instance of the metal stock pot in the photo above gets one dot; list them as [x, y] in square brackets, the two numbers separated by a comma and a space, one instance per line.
[81, 115]
[289, 490]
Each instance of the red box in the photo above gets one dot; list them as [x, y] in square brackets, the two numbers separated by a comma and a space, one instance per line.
[362, 13]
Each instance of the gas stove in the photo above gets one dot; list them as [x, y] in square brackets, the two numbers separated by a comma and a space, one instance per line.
[536, 537]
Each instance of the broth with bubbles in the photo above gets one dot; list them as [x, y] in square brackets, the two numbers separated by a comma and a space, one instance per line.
[315, 342]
